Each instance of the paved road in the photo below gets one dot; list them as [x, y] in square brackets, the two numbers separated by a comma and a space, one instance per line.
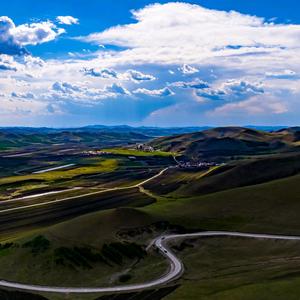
[81, 196]
[176, 268]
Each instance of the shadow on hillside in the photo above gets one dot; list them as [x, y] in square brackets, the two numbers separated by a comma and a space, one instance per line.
[14, 295]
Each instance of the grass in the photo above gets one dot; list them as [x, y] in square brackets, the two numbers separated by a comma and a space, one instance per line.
[176, 179]
[107, 165]
[132, 152]
[188, 183]
[268, 207]
[233, 268]
[223, 268]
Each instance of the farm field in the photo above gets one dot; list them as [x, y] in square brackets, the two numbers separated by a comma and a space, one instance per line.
[94, 230]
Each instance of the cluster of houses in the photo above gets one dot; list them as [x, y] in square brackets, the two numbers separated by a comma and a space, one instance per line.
[140, 147]
[94, 153]
[201, 165]
[143, 147]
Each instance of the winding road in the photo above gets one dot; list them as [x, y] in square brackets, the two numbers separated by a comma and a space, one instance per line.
[176, 267]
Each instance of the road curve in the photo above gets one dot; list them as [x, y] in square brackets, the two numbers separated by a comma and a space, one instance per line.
[176, 268]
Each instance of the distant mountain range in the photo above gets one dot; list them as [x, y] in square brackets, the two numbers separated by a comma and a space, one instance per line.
[144, 130]
[189, 140]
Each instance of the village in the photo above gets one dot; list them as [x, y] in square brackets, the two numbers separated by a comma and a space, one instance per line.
[150, 149]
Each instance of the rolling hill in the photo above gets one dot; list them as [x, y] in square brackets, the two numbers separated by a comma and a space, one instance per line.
[226, 142]
[188, 183]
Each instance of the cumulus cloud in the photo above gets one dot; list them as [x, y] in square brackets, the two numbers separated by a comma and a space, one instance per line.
[232, 90]
[137, 76]
[13, 39]
[116, 89]
[155, 93]
[78, 92]
[67, 20]
[132, 75]
[196, 84]
[179, 32]
[27, 95]
[7, 63]
[187, 69]
[103, 73]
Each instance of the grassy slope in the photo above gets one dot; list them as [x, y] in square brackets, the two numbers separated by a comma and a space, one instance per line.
[270, 207]
[102, 166]
[121, 151]
[224, 142]
[232, 268]
[187, 183]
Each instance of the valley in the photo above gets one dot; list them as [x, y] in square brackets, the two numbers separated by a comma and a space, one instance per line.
[83, 215]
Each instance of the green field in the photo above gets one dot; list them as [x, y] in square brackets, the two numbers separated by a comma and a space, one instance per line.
[102, 166]
[132, 152]
[98, 237]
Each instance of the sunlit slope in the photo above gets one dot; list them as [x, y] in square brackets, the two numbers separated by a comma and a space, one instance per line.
[189, 183]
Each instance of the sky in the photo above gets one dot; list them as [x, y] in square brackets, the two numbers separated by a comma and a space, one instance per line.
[73, 63]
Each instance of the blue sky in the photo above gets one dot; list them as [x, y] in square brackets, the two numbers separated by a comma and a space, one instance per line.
[162, 63]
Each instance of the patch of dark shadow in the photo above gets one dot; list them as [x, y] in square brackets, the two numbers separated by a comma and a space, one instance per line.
[154, 228]
[153, 294]
[125, 278]
[77, 257]
[221, 169]
[183, 245]
[5, 246]
[116, 252]
[290, 275]
[37, 245]
[15, 295]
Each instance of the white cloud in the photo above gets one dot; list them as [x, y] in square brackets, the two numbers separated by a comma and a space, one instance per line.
[132, 75]
[187, 69]
[253, 106]
[175, 41]
[196, 84]
[27, 95]
[81, 93]
[285, 74]
[103, 73]
[180, 32]
[231, 90]
[155, 93]
[116, 89]
[67, 20]
[13, 38]
[7, 63]
[137, 76]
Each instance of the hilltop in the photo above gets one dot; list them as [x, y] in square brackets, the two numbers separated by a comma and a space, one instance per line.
[224, 143]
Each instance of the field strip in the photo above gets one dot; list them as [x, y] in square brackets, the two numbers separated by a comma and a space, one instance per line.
[40, 195]
[53, 169]
[84, 195]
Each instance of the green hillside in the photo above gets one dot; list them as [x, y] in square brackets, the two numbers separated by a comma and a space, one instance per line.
[226, 142]
[187, 183]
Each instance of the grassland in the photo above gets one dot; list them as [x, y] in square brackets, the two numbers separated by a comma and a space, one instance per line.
[133, 152]
[188, 183]
[229, 268]
[100, 167]
[90, 240]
